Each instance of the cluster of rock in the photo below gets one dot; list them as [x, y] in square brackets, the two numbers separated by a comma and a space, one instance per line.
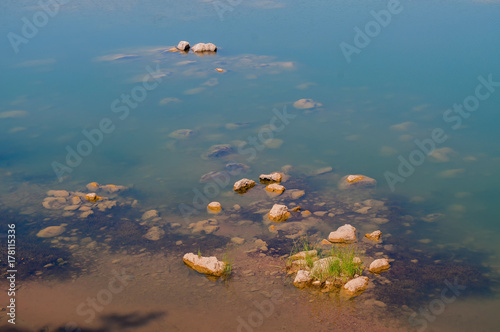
[310, 276]
[72, 202]
[184, 46]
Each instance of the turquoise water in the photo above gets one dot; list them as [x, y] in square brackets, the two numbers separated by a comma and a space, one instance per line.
[427, 58]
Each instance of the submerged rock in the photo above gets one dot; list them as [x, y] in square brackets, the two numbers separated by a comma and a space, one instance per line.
[214, 207]
[275, 188]
[356, 286]
[379, 265]
[306, 104]
[58, 193]
[270, 178]
[343, 234]
[296, 194]
[236, 125]
[181, 134]
[183, 46]
[279, 213]
[323, 170]
[356, 181]
[154, 233]
[150, 214]
[220, 150]
[243, 186]
[112, 188]
[206, 265]
[51, 231]
[374, 236]
[237, 168]
[204, 47]
[302, 279]
[54, 203]
[214, 176]
[208, 226]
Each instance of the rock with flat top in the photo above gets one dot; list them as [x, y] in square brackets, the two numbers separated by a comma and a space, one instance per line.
[356, 285]
[51, 231]
[206, 265]
[343, 234]
[279, 213]
[270, 178]
[275, 188]
[204, 47]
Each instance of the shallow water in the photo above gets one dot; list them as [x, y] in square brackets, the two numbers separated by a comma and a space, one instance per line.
[72, 74]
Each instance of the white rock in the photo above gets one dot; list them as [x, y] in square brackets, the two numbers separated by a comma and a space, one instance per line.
[379, 265]
[183, 46]
[207, 265]
[279, 213]
[270, 178]
[356, 285]
[306, 104]
[302, 279]
[343, 234]
[202, 47]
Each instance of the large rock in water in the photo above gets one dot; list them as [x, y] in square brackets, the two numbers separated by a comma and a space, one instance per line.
[356, 181]
[356, 286]
[183, 46]
[343, 234]
[379, 265]
[204, 47]
[207, 265]
[279, 213]
[243, 186]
